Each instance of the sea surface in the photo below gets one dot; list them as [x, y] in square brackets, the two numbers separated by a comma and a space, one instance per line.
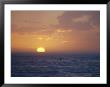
[55, 65]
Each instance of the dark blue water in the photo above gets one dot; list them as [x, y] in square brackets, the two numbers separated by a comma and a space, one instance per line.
[55, 65]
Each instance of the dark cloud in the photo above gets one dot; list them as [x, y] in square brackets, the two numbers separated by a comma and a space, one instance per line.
[82, 20]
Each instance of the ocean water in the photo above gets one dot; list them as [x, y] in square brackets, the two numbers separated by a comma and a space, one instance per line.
[55, 65]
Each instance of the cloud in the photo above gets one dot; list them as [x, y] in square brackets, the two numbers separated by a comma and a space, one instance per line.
[45, 22]
[81, 20]
[65, 41]
[33, 21]
[63, 30]
[84, 18]
[73, 30]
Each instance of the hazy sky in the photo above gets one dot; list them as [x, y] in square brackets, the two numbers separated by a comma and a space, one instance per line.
[56, 31]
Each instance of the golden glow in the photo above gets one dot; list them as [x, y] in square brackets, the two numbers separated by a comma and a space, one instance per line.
[30, 29]
[40, 49]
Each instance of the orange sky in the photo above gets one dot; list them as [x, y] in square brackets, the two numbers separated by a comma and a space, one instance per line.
[57, 31]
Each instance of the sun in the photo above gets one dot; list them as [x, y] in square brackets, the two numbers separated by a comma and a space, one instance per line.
[40, 49]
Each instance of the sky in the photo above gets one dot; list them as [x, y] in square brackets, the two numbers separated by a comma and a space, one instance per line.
[56, 31]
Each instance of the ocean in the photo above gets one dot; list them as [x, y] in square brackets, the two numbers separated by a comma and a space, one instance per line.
[55, 65]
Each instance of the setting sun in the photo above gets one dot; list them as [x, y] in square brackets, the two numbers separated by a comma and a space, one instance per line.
[40, 49]
[54, 43]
